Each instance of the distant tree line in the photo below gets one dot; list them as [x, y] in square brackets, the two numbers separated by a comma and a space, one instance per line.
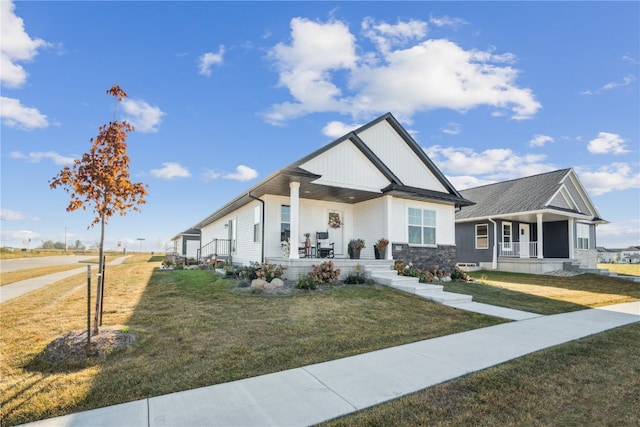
[50, 244]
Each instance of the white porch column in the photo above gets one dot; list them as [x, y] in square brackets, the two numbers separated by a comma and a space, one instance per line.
[571, 249]
[388, 210]
[294, 211]
[540, 245]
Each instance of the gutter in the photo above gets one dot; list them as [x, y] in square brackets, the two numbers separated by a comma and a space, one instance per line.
[262, 226]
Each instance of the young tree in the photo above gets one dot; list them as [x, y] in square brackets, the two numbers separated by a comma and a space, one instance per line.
[101, 179]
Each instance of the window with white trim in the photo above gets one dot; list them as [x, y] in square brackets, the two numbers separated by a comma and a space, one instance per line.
[507, 236]
[482, 236]
[582, 235]
[285, 222]
[422, 226]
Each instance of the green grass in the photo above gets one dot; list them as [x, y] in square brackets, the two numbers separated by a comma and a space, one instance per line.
[625, 269]
[594, 381]
[193, 331]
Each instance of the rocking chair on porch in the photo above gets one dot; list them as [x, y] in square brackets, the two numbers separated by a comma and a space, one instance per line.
[324, 249]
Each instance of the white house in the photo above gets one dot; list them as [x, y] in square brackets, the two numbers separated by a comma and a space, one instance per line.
[375, 182]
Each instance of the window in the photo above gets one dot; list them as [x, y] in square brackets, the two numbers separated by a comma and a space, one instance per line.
[285, 222]
[422, 226]
[482, 236]
[256, 224]
[507, 237]
[582, 233]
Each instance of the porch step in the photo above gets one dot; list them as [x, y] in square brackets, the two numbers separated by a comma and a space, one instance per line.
[446, 297]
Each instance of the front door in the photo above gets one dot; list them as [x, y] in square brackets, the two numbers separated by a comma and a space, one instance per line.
[335, 234]
[524, 240]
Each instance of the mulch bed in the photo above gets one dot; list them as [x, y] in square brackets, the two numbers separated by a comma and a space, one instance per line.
[72, 346]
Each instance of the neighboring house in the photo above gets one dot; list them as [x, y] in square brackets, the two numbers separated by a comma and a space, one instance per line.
[372, 183]
[529, 225]
[608, 256]
[187, 243]
[630, 255]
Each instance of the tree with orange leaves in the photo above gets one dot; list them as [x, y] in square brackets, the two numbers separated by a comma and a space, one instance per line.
[101, 179]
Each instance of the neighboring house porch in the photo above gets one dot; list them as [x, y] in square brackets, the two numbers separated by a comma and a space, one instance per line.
[530, 225]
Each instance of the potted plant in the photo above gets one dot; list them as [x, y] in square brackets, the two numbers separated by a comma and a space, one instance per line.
[380, 248]
[355, 245]
[307, 242]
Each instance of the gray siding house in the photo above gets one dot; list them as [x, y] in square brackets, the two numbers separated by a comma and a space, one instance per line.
[534, 224]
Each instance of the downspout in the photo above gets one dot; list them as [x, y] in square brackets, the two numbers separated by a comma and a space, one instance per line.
[262, 226]
[494, 259]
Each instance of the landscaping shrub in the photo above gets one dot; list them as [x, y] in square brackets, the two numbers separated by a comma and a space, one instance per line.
[326, 272]
[355, 278]
[308, 282]
[268, 272]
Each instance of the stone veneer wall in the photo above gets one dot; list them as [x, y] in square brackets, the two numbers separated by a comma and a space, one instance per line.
[424, 258]
[588, 258]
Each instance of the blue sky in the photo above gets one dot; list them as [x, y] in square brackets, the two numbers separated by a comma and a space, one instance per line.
[224, 93]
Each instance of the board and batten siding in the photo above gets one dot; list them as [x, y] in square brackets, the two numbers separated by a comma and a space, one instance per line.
[314, 217]
[445, 220]
[385, 142]
[346, 166]
[370, 224]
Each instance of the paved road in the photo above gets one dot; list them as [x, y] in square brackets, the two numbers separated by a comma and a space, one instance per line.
[7, 265]
[17, 289]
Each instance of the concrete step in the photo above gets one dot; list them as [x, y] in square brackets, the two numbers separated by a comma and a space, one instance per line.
[417, 288]
[389, 280]
[446, 297]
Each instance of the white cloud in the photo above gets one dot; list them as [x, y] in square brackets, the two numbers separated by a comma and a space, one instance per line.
[540, 140]
[322, 62]
[14, 114]
[20, 236]
[142, 116]
[171, 170]
[607, 143]
[243, 173]
[210, 175]
[336, 129]
[210, 59]
[614, 177]
[445, 21]
[38, 156]
[491, 165]
[17, 46]
[451, 129]
[305, 67]
[385, 36]
[9, 215]
[627, 80]
[619, 234]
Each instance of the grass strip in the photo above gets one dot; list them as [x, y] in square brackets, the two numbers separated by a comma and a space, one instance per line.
[594, 381]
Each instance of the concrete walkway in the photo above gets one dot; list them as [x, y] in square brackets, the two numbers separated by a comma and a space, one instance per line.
[320, 392]
[17, 289]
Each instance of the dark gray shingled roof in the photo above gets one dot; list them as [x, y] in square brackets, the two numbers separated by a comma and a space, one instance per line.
[518, 195]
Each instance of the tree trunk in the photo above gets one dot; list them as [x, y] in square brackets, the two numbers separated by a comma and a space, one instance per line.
[100, 284]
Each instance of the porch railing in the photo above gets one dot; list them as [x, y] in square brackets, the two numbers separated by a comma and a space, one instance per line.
[217, 248]
[518, 250]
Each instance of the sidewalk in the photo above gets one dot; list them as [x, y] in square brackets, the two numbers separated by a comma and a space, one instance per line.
[17, 289]
[320, 392]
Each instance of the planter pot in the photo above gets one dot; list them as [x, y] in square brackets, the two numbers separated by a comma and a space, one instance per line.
[354, 254]
[380, 254]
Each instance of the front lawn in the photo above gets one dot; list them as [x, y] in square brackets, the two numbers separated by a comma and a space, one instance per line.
[192, 332]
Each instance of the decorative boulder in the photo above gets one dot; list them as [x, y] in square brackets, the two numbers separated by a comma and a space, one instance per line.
[445, 279]
[277, 282]
[258, 284]
[269, 286]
